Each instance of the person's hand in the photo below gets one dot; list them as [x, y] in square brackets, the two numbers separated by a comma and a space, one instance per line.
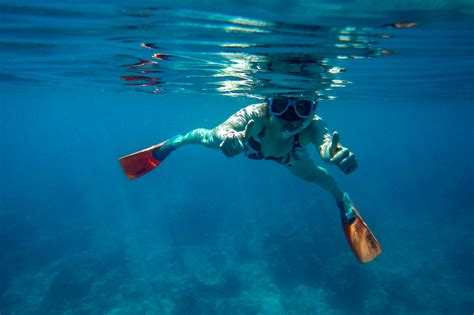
[233, 141]
[333, 152]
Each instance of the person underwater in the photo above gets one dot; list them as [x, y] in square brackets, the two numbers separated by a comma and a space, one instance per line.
[280, 130]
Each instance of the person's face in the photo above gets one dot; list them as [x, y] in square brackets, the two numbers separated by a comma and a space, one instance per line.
[289, 128]
[292, 115]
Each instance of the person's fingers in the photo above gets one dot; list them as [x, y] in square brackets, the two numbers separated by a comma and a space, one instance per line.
[334, 143]
[340, 155]
[225, 151]
[347, 164]
[247, 133]
[344, 162]
[343, 167]
[222, 146]
[240, 144]
[225, 148]
[353, 161]
[228, 145]
[350, 158]
[232, 145]
[352, 168]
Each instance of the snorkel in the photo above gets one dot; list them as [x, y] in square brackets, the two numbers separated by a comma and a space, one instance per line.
[289, 128]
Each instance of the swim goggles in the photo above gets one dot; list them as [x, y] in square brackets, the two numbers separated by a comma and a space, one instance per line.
[301, 108]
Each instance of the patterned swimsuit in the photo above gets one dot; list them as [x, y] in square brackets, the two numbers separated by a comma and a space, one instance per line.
[253, 150]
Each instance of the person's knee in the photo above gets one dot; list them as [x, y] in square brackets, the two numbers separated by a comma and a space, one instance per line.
[311, 176]
[316, 175]
[197, 135]
[204, 136]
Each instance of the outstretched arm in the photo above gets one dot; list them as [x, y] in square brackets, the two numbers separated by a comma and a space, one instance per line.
[230, 135]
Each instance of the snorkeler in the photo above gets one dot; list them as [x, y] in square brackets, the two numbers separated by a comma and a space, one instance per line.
[277, 130]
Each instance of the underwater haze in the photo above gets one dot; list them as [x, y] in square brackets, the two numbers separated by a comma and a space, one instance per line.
[85, 83]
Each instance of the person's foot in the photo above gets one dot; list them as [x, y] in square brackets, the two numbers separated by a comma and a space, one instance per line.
[163, 150]
[347, 209]
[361, 240]
[176, 141]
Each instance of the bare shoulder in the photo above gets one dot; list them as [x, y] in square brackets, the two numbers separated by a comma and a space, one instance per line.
[256, 111]
[239, 120]
[259, 114]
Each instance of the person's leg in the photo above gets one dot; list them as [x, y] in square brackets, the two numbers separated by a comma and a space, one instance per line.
[203, 136]
[306, 169]
[361, 240]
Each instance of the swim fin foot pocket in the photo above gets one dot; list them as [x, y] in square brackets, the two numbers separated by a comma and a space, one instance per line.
[361, 240]
[141, 162]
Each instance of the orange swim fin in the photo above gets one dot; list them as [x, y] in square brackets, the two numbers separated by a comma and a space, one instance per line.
[141, 162]
[363, 243]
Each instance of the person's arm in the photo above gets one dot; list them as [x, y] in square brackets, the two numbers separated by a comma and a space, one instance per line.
[238, 128]
[238, 121]
[316, 133]
[329, 148]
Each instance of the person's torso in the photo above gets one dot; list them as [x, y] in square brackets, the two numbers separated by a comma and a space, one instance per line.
[267, 144]
[273, 146]
[271, 143]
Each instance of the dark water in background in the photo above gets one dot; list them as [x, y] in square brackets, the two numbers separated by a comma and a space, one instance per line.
[204, 234]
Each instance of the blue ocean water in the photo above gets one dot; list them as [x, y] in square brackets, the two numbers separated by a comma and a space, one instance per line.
[83, 84]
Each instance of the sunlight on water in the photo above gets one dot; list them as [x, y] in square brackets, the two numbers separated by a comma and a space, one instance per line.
[241, 56]
[162, 50]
